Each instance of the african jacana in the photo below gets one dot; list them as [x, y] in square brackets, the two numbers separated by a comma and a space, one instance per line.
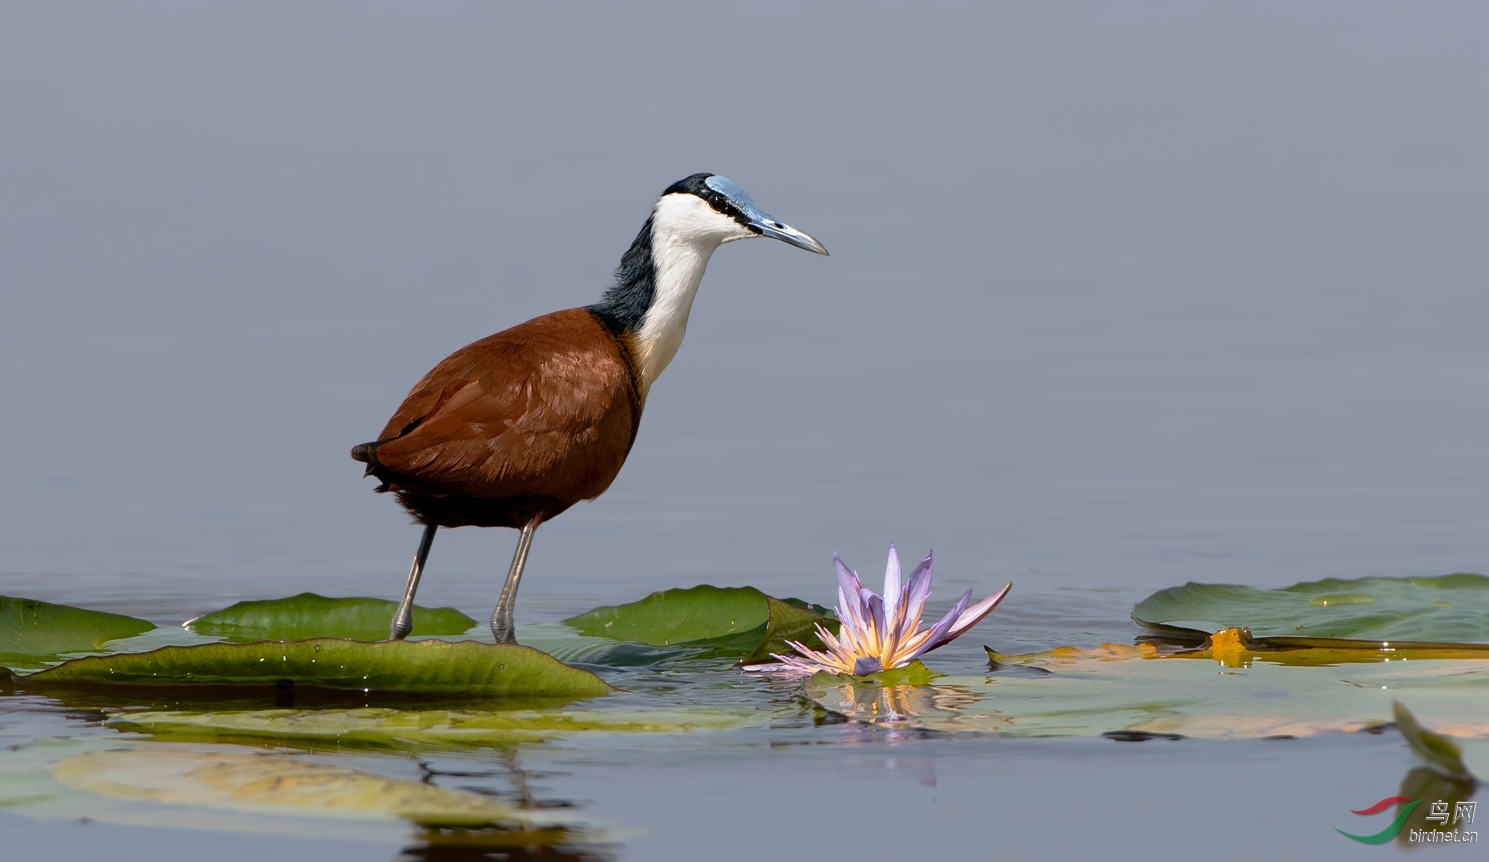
[519, 426]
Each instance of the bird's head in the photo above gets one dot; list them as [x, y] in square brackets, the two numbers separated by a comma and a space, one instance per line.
[710, 209]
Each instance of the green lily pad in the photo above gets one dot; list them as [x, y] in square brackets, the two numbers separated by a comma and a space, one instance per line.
[1440, 752]
[733, 621]
[1133, 691]
[32, 632]
[313, 616]
[377, 728]
[1446, 610]
[678, 616]
[788, 621]
[464, 668]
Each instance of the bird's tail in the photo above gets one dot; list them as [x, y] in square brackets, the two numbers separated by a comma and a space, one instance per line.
[367, 454]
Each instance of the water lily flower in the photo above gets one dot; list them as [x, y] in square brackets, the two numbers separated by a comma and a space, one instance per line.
[879, 633]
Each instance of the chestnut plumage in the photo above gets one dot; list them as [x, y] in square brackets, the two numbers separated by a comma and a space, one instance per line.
[512, 430]
[518, 426]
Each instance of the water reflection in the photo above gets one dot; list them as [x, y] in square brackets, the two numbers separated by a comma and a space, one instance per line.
[441, 844]
[869, 702]
[482, 807]
[1431, 786]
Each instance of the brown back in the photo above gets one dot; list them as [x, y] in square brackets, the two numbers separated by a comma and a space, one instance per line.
[546, 409]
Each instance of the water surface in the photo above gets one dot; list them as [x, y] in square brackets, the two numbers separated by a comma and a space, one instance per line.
[1118, 298]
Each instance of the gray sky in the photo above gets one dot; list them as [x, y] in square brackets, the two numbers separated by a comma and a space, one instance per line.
[1119, 295]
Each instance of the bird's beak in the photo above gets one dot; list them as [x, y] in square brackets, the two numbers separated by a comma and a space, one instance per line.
[769, 225]
[787, 234]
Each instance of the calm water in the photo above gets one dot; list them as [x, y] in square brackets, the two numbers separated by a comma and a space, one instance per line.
[1118, 298]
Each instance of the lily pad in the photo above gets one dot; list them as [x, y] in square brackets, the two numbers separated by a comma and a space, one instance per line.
[464, 668]
[734, 621]
[1144, 690]
[231, 789]
[308, 615]
[272, 783]
[788, 622]
[1238, 649]
[1453, 609]
[33, 632]
[399, 729]
[1440, 752]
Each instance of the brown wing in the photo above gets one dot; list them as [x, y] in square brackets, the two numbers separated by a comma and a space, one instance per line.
[544, 409]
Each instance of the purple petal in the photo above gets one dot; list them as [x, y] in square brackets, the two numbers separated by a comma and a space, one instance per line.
[974, 614]
[875, 606]
[849, 603]
[847, 579]
[893, 598]
[917, 589]
[938, 631]
[867, 664]
[845, 610]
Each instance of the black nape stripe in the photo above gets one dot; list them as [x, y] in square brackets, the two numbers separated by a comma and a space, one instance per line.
[624, 305]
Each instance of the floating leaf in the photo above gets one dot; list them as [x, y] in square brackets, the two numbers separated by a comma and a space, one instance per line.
[464, 668]
[678, 616]
[735, 621]
[1453, 609]
[272, 784]
[380, 728]
[1440, 752]
[1125, 689]
[788, 622]
[1237, 648]
[308, 615]
[567, 645]
[109, 778]
[32, 632]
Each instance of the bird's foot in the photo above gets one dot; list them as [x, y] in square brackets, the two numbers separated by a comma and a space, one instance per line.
[402, 625]
[503, 630]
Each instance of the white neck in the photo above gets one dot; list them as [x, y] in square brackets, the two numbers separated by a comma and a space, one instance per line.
[685, 231]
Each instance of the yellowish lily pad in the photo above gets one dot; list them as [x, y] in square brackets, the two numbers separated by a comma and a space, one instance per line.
[397, 729]
[1218, 692]
[271, 784]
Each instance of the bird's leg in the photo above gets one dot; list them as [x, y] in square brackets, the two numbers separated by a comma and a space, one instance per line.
[501, 618]
[403, 620]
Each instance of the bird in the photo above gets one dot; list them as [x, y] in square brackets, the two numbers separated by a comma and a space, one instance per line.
[513, 429]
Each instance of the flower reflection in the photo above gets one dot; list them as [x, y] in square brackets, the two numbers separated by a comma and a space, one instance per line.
[899, 703]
